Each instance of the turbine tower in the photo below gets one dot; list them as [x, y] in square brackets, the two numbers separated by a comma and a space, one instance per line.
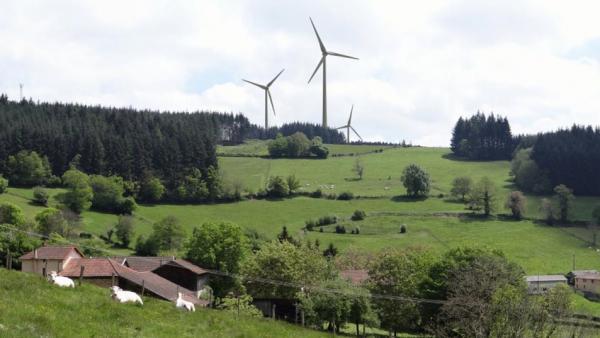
[267, 97]
[20, 92]
[323, 60]
[348, 126]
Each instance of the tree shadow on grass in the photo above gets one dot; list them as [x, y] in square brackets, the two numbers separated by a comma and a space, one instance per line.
[404, 198]
[352, 179]
[452, 157]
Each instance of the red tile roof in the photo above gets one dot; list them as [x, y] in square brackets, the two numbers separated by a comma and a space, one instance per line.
[94, 267]
[355, 276]
[51, 252]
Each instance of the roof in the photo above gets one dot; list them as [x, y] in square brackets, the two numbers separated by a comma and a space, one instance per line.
[51, 252]
[582, 272]
[186, 265]
[143, 264]
[595, 276]
[94, 267]
[155, 283]
[546, 278]
[355, 276]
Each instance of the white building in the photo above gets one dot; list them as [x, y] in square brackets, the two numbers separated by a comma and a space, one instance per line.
[541, 284]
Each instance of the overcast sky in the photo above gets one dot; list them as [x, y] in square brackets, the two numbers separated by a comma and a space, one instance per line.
[422, 63]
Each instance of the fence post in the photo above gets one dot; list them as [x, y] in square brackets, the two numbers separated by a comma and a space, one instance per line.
[273, 311]
[81, 274]
[113, 279]
[45, 269]
[143, 287]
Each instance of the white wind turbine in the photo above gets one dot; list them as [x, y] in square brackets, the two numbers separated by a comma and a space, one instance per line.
[348, 126]
[267, 97]
[323, 60]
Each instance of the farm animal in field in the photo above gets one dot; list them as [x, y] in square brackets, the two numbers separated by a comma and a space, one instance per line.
[184, 304]
[61, 281]
[123, 296]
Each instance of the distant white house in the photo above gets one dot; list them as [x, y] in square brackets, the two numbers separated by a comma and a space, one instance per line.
[541, 284]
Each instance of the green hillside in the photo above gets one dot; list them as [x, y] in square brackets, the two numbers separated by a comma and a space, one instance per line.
[433, 222]
[31, 307]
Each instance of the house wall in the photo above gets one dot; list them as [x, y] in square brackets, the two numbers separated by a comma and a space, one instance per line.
[587, 285]
[37, 266]
[542, 287]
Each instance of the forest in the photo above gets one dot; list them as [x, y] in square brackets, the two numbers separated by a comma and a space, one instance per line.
[482, 138]
[108, 141]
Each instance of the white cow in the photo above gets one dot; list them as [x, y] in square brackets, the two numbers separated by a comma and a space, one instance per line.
[125, 296]
[184, 304]
[61, 281]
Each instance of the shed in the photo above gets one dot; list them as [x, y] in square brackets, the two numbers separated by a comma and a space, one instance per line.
[540, 284]
[45, 259]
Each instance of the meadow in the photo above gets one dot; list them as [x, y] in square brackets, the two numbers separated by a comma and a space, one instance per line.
[32, 307]
[438, 222]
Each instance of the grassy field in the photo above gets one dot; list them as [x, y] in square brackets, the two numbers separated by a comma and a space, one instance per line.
[31, 307]
[431, 222]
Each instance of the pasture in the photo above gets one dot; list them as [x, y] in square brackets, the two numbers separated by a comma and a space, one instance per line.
[32, 307]
[431, 222]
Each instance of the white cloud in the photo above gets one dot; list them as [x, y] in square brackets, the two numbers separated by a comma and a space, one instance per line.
[422, 64]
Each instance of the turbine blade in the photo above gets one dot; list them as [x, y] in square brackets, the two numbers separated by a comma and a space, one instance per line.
[356, 133]
[342, 127]
[256, 84]
[275, 78]
[271, 100]
[318, 66]
[342, 55]
[321, 45]
[350, 119]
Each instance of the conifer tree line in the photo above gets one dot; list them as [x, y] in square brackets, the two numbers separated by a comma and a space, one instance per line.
[570, 157]
[483, 138]
[108, 141]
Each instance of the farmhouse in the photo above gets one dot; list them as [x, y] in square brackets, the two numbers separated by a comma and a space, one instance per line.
[589, 284]
[572, 274]
[106, 272]
[49, 258]
[541, 284]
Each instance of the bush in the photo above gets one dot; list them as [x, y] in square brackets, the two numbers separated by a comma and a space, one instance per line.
[345, 196]
[127, 206]
[310, 225]
[321, 229]
[317, 193]
[403, 229]
[358, 215]
[85, 235]
[54, 182]
[356, 231]
[40, 196]
[327, 220]
[277, 187]
[3, 184]
[340, 229]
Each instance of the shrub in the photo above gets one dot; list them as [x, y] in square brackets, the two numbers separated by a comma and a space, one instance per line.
[358, 215]
[340, 229]
[327, 220]
[3, 184]
[357, 230]
[310, 225]
[317, 193]
[321, 229]
[54, 182]
[127, 206]
[277, 187]
[403, 229]
[345, 196]
[85, 235]
[40, 196]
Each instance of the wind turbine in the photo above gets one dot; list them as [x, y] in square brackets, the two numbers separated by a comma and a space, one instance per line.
[348, 126]
[323, 60]
[267, 97]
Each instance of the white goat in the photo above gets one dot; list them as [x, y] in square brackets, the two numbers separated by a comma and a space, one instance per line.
[125, 296]
[61, 281]
[184, 304]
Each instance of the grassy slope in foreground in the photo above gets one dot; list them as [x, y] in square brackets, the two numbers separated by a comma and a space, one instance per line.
[31, 307]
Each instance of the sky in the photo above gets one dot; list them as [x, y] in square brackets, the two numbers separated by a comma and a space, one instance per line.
[422, 63]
